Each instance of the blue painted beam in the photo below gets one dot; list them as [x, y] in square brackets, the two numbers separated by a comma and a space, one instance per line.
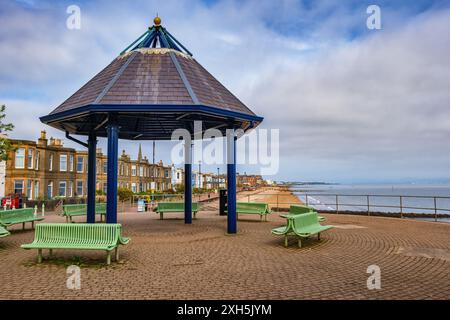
[111, 194]
[92, 163]
[187, 183]
[48, 119]
[231, 177]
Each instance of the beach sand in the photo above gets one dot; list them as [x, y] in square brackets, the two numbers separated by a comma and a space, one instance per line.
[276, 197]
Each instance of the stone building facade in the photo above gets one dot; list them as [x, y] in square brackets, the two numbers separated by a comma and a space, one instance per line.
[47, 169]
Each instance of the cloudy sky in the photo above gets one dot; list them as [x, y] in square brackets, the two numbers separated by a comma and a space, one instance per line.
[352, 104]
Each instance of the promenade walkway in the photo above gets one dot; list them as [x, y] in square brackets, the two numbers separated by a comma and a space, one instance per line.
[170, 260]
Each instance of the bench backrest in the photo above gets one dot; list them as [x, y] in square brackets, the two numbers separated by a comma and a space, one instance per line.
[74, 208]
[100, 207]
[256, 206]
[175, 206]
[91, 234]
[306, 220]
[17, 214]
[299, 209]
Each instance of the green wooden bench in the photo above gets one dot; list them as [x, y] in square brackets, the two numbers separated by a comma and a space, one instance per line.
[16, 216]
[73, 210]
[260, 208]
[174, 207]
[80, 236]
[3, 232]
[303, 226]
[297, 209]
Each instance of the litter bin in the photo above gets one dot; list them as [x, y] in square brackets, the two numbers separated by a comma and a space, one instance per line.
[223, 200]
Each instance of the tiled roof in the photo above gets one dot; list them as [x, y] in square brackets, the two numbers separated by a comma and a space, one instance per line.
[154, 76]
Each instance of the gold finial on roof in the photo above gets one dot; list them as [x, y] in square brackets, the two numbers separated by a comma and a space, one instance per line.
[157, 21]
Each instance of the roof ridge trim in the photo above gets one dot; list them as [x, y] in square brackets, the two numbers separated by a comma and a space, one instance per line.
[184, 78]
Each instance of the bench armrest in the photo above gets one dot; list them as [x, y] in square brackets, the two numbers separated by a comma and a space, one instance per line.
[124, 240]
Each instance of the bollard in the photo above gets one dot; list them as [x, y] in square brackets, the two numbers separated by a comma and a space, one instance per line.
[43, 210]
[35, 210]
[24, 205]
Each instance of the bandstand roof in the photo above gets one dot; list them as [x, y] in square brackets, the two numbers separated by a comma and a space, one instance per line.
[152, 88]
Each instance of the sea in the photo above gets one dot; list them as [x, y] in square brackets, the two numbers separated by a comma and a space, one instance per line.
[413, 198]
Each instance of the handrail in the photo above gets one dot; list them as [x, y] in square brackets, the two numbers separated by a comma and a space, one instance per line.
[367, 203]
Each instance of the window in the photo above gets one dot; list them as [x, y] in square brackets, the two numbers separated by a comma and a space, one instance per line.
[70, 189]
[36, 166]
[105, 167]
[50, 162]
[133, 187]
[105, 187]
[20, 158]
[141, 171]
[30, 158]
[71, 163]
[63, 162]
[167, 173]
[50, 190]
[80, 188]
[133, 170]
[62, 189]
[127, 170]
[36, 189]
[29, 189]
[80, 164]
[18, 186]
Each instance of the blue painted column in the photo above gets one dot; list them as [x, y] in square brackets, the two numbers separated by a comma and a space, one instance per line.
[187, 182]
[111, 194]
[231, 177]
[91, 179]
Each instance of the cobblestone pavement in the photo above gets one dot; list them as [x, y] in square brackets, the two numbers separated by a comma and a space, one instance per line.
[169, 260]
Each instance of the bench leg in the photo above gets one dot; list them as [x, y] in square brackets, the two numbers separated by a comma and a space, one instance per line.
[39, 255]
[67, 219]
[108, 257]
[260, 217]
[318, 236]
[32, 224]
[265, 217]
[285, 240]
[23, 225]
[195, 215]
[299, 242]
[50, 253]
[161, 216]
[117, 254]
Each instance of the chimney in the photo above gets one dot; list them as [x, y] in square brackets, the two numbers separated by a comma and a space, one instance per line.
[42, 141]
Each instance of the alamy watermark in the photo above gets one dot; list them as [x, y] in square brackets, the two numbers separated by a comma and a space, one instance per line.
[374, 280]
[373, 22]
[258, 147]
[74, 280]
[73, 22]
